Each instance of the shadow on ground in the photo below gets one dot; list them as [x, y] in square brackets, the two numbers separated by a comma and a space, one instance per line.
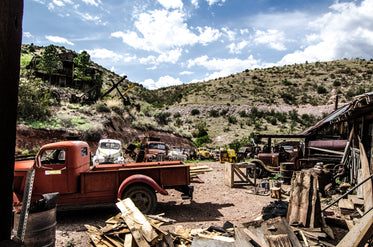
[191, 211]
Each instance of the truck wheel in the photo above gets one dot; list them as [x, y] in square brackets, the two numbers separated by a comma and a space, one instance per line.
[143, 197]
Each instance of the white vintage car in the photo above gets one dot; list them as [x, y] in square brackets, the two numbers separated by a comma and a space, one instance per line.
[108, 151]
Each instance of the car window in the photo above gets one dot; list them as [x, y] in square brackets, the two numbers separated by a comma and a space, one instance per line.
[53, 156]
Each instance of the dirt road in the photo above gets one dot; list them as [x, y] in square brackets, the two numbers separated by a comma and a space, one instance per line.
[213, 205]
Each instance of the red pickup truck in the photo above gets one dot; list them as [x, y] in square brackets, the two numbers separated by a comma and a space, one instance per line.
[65, 167]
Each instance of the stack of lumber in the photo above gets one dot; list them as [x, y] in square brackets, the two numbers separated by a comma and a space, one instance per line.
[131, 228]
[197, 170]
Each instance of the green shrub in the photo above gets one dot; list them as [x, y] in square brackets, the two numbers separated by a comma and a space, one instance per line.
[162, 118]
[33, 100]
[195, 112]
[213, 113]
[322, 90]
[232, 119]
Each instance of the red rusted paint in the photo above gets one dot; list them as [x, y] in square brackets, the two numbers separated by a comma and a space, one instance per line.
[138, 178]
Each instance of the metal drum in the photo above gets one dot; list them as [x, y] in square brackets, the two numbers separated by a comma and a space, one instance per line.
[286, 171]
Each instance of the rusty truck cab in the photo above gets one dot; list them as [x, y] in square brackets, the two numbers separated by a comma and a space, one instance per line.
[58, 167]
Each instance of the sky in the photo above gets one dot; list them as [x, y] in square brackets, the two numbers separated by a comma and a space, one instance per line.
[160, 43]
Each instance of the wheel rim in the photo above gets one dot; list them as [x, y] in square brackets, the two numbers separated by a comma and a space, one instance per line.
[141, 200]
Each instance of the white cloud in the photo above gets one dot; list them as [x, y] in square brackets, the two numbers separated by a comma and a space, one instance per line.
[56, 3]
[88, 17]
[223, 67]
[195, 3]
[58, 40]
[345, 32]
[27, 35]
[104, 54]
[211, 2]
[237, 48]
[165, 57]
[273, 38]
[162, 30]
[163, 81]
[230, 34]
[92, 2]
[186, 73]
[171, 4]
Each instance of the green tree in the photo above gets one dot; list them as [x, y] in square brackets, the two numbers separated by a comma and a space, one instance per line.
[83, 66]
[50, 61]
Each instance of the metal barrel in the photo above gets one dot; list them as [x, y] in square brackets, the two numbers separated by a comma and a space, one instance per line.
[286, 171]
[41, 228]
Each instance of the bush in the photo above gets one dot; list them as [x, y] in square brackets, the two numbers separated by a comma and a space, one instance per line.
[321, 90]
[202, 140]
[102, 107]
[195, 112]
[33, 100]
[232, 119]
[177, 115]
[213, 113]
[93, 132]
[243, 114]
[162, 118]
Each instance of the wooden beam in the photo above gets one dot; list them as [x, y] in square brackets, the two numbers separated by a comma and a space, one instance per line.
[367, 187]
[11, 13]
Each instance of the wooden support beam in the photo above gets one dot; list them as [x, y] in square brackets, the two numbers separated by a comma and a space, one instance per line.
[11, 13]
[367, 187]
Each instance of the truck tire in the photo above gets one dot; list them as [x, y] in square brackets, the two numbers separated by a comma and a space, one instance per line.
[142, 196]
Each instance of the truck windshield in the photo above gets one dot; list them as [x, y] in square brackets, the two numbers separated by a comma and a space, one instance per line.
[110, 145]
[157, 146]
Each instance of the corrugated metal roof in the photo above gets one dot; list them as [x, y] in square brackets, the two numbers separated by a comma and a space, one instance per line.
[341, 113]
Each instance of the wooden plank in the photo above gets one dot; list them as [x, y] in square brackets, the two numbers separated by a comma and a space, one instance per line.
[228, 175]
[346, 204]
[360, 233]
[141, 229]
[274, 226]
[242, 239]
[327, 150]
[128, 240]
[257, 240]
[356, 200]
[367, 187]
[278, 240]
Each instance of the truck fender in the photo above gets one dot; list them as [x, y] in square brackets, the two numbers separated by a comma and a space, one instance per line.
[139, 178]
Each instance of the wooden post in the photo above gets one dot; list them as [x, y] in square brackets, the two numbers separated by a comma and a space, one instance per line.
[11, 12]
[367, 187]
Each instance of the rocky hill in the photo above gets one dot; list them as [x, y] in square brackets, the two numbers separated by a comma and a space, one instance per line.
[214, 113]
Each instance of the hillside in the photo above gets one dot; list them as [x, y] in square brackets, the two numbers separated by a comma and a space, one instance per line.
[273, 100]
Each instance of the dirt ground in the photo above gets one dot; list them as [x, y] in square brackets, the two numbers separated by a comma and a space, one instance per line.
[213, 204]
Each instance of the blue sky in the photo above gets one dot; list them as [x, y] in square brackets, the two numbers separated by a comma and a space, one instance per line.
[172, 42]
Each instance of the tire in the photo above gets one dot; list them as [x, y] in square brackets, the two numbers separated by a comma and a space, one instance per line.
[143, 197]
[259, 171]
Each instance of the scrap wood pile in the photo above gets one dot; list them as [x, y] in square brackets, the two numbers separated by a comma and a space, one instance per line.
[131, 228]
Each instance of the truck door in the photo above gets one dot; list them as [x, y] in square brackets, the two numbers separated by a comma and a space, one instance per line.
[51, 172]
